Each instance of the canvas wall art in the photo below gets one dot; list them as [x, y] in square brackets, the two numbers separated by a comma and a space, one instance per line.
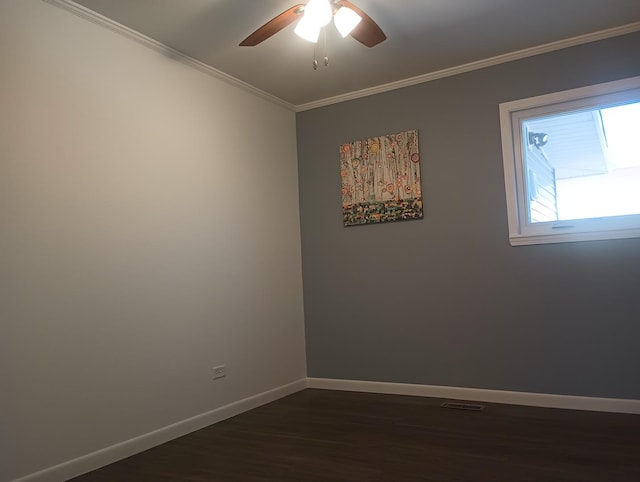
[381, 179]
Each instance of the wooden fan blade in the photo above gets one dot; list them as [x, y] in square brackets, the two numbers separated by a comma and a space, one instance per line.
[367, 32]
[273, 26]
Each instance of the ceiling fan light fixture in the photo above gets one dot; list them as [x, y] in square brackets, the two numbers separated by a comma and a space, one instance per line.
[307, 29]
[316, 14]
[319, 12]
[346, 20]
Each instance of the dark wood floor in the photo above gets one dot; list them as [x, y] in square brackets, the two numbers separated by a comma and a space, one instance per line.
[319, 435]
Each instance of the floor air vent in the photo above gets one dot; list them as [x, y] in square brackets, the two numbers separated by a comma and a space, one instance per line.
[463, 406]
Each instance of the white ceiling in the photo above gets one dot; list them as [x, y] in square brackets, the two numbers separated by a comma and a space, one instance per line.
[423, 36]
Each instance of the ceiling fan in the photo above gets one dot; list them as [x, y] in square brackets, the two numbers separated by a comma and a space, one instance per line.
[315, 14]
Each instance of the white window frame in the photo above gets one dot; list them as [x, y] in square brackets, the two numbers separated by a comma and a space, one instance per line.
[512, 115]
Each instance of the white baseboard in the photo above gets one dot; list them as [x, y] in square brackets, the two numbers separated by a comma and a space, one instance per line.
[571, 402]
[108, 455]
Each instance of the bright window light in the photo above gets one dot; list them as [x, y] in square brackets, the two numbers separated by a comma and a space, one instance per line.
[572, 164]
[589, 166]
[622, 128]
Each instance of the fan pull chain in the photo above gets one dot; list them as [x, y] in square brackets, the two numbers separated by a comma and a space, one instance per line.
[315, 58]
[324, 49]
[326, 58]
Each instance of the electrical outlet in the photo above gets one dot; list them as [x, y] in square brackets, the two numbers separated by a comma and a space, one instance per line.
[219, 372]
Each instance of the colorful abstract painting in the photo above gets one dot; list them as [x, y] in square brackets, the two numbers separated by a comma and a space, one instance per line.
[381, 179]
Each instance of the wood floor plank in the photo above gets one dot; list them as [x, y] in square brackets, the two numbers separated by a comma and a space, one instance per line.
[322, 435]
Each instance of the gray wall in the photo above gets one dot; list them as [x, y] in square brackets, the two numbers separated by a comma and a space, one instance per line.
[446, 300]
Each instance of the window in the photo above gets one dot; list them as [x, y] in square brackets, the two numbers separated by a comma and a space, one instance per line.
[572, 164]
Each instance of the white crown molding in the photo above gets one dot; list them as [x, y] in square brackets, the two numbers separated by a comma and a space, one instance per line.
[480, 64]
[96, 18]
[119, 451]
[103, 21]
[570, 402]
